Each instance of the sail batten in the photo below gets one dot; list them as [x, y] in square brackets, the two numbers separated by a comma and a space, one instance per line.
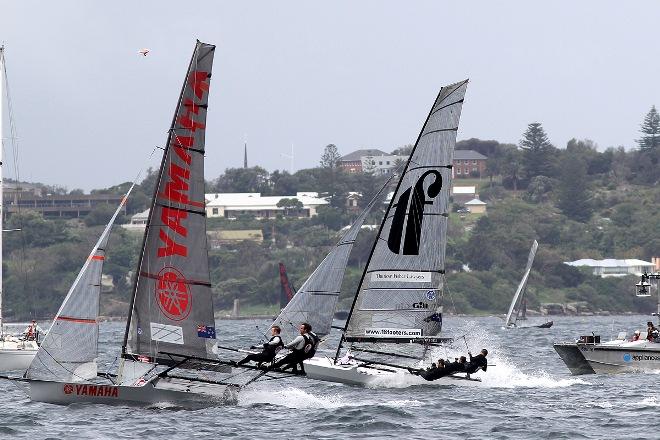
[400, 294]
[510, 319]
[171, 306]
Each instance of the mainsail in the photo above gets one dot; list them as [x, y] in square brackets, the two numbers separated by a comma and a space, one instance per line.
[172, 306]
[69, 351]
[399, 296]
[316, 299]
[510, 319]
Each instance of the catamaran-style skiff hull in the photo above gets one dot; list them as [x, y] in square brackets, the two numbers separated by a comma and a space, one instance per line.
[178, 392]
[324, 368]
[610, 357]
[15, 359]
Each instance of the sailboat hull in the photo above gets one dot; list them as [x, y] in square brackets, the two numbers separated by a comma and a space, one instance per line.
[13, 358]
[326, 370]
[177, 392]
[613, 357]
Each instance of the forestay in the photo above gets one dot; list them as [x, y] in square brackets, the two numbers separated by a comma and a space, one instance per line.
[316, 299]
[69, 350]
[399, 297]
[510, 319]
[172, 307]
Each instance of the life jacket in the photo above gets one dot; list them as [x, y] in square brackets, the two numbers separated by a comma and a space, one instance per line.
[311, 344]
[274, 349]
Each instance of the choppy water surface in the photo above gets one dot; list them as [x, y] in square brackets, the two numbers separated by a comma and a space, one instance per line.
[529, 393]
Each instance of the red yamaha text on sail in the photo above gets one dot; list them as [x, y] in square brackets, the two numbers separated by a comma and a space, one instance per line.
[177, 185]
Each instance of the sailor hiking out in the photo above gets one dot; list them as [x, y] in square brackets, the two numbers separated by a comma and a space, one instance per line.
[302, 347]
[270, 349]
[446, 368]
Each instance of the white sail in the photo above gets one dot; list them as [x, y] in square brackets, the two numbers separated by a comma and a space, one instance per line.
[399, 297]
[316, 299]
[70, 348]
[522, 286]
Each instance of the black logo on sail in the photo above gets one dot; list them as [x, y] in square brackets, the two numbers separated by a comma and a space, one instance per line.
[413, 208]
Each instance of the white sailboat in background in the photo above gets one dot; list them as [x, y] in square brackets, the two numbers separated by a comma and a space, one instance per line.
[518, 307]
[16, 349]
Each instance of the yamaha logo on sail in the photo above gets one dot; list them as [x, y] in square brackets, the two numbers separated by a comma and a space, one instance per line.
[91, 390]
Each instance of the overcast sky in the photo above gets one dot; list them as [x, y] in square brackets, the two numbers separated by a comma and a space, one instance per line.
[89, 109]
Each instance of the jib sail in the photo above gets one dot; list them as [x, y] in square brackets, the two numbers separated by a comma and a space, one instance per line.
[316, 299]
[399, 297]
[172, 307]
[70, 348]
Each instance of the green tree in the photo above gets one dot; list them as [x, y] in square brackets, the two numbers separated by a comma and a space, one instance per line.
[538, 152]
[239, 180]
[574, 197]
[330, 157]
[650, 130]
[512, 168]
[292, 205]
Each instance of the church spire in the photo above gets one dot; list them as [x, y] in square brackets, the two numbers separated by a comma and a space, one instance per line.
[245, 157]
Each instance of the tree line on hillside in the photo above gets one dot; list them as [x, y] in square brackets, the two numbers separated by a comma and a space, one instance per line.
[579, 202]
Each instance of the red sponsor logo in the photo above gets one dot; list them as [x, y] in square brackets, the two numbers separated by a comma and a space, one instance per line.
[172, 294]
[91, 390]
[177, 176]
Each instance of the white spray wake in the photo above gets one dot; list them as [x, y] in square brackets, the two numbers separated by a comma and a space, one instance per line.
[502, 372]
[295, 398]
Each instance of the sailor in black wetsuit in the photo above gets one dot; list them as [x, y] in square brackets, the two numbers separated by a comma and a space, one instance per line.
[445, 369]
[302, 347]
[477, 362]
[270, 349]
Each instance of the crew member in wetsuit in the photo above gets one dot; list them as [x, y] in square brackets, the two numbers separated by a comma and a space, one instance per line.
[302, 347]
[270, 349]
[476, 363]
[446, 369]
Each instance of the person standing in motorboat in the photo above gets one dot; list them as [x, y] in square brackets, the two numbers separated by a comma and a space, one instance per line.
[651, 332]
[302, 347]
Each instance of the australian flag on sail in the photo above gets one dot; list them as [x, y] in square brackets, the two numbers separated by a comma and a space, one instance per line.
[436, 317]
[206, 331]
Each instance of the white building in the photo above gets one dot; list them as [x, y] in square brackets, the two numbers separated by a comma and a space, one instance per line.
[614, 268]
[382, 164]
[138, 221]
[232, 205]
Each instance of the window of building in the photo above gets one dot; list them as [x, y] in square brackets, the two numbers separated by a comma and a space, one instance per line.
[380, 162]
[475, 169]
[474, 162]
[458, 171]
[388, 162]
[215, 211]
[465, 170]
[465, 162]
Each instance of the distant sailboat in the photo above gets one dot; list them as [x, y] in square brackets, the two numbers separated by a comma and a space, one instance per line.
[518, 307]
[16, 351]
[397, 311]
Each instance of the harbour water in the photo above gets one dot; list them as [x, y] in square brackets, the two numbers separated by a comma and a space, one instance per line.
[527, 393]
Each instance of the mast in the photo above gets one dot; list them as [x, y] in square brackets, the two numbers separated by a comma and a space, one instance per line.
[2, 143]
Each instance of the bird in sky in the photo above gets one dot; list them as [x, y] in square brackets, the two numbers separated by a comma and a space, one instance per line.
[144, 52]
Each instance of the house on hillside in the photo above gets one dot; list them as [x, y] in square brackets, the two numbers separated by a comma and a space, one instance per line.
[468, 163]
[462, 194]
[476, 206]
[614, 268]
[232, 205]
[356, 161]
